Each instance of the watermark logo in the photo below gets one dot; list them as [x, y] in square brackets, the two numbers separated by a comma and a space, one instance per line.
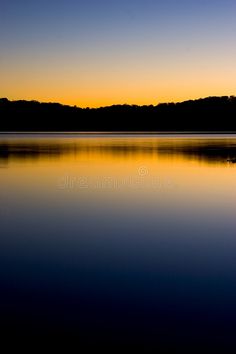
[143, 171]
[142, 180]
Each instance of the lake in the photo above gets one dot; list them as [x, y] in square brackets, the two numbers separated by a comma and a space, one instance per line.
[119, 240]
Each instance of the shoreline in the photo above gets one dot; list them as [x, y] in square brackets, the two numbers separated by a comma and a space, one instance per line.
[118, 133]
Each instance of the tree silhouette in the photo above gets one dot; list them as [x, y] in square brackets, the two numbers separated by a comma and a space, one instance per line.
[208, 114]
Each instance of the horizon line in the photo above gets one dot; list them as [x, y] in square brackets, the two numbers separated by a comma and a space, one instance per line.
[116, 104]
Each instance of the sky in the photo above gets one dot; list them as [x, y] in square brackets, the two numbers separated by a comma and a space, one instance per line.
[94, 53]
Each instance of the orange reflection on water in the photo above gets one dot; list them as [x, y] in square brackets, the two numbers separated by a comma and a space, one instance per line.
[142, 165]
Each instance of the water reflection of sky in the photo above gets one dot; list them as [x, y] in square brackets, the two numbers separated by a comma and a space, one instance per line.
[210, 148]
[129, 235]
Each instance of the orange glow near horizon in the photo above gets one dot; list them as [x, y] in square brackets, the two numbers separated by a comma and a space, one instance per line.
[117, 99]
[116, 83]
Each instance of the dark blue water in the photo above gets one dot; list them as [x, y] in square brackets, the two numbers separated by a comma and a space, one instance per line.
[119, 242]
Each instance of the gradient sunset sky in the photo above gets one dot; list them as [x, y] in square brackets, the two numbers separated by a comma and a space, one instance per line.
[103, 52]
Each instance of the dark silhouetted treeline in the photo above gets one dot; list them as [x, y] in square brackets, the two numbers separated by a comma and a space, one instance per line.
[208, 114]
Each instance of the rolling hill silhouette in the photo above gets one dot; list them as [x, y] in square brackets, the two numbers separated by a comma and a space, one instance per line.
[208, 114]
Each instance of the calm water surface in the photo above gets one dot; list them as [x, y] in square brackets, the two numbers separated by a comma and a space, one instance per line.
[123, 240]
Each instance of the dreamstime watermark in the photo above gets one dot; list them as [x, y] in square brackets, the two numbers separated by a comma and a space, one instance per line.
[143, 171]
[142, 180]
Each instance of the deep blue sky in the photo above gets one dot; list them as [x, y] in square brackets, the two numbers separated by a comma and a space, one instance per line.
[102, 52]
